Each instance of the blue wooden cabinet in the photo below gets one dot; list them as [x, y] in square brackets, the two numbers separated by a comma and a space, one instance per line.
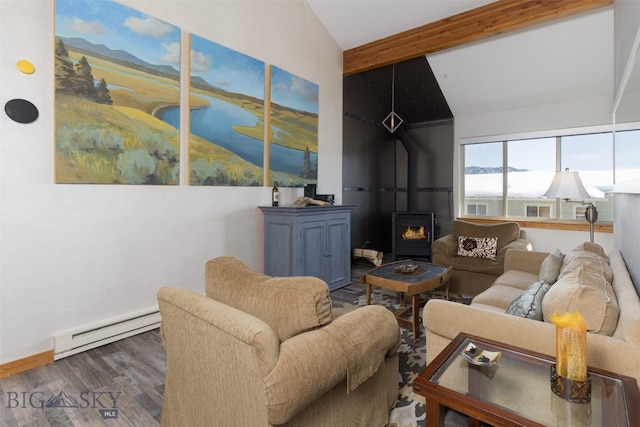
[308, 241]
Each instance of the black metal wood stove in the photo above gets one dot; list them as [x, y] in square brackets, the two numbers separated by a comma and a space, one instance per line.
[413, 234]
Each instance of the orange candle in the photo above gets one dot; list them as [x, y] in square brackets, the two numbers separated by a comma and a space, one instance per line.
[571, 345]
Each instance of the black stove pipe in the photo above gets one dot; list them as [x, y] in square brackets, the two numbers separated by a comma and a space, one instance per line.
[412, 168]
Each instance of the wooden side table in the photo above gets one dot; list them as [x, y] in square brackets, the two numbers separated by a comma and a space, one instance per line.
[425, 278]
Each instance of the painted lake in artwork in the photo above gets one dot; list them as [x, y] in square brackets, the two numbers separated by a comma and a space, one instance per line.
[215, 124]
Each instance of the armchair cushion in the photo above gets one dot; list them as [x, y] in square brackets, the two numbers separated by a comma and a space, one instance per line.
[312, 363]
[505, 232]
[289, 305]
[365, 347]
[447, 246]
[508, 235]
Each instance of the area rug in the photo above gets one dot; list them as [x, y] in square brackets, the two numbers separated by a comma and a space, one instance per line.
[410, 408]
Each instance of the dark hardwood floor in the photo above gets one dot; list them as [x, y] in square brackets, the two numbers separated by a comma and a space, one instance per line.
[119, 384]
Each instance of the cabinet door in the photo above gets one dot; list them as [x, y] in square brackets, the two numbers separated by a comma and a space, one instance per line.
[278, 246]
[338, 244]
[312, 252]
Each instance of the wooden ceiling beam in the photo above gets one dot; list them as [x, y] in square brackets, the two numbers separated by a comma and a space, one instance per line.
[493, 19]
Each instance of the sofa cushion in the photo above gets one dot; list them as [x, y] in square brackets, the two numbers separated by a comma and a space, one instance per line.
[478, 247]
[516, 279]
[584, 284]
[290, 305]
[589, 261]
[499, 296]
[587, 291]
[581, 249]
[550, 267]
[529, 303]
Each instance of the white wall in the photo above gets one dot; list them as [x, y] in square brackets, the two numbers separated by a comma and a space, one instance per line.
[627, 33]
[626, 239]
[73, 255]
[551, 77]
[545, 240]
[627, 62]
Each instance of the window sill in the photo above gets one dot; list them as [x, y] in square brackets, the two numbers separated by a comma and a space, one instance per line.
[567, 225]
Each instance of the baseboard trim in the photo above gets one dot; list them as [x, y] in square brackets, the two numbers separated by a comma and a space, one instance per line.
[24, 364]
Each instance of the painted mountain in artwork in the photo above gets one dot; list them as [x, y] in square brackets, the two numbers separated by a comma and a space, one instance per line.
[119, 56]
[124, 58]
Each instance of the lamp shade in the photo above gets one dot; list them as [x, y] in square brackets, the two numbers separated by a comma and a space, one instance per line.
[567, 185]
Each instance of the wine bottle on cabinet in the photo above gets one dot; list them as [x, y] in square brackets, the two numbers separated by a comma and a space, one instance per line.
[275, 193]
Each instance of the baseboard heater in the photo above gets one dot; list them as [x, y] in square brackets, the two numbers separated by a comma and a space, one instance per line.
[76, 341]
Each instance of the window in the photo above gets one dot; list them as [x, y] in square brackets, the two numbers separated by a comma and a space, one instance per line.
[579, 212]
[537, 211]
[529, 175]
[592, 156]
[483, 178]
[627, 145]
[509, 177]
[475, 209]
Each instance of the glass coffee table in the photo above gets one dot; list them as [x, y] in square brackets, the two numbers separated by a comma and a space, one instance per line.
[410, 278]
[516, 391]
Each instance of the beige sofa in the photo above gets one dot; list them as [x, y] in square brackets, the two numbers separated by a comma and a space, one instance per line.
[263, 351]
[589, 281]
[470, 274]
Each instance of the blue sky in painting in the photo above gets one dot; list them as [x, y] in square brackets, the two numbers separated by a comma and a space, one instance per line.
[119, 27]
[292, 91]
[226, 68]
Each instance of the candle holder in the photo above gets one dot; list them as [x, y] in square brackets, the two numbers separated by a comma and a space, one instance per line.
[569, 377]
[572, 390]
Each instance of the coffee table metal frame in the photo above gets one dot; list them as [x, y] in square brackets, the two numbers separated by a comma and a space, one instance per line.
[411, 286]
[439, 397]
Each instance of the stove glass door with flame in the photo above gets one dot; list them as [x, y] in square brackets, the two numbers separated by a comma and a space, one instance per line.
[413, 234]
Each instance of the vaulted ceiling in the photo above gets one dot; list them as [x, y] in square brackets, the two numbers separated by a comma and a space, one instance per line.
[563, 55]
[354, 23]
[416, 97]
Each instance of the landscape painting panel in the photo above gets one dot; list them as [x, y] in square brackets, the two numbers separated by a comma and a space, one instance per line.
[293, 133]
[116, 72]
[226, 141]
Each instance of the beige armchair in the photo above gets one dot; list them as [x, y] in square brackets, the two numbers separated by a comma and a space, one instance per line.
[470, 276]
[266, 351]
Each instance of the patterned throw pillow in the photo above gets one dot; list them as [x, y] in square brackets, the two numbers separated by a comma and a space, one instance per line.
[529, 303]
[478, 247]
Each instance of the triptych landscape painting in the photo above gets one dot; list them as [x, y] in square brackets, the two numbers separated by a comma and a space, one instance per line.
[117, 106]
[115, 71]
[227, 116]
[293, 133]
